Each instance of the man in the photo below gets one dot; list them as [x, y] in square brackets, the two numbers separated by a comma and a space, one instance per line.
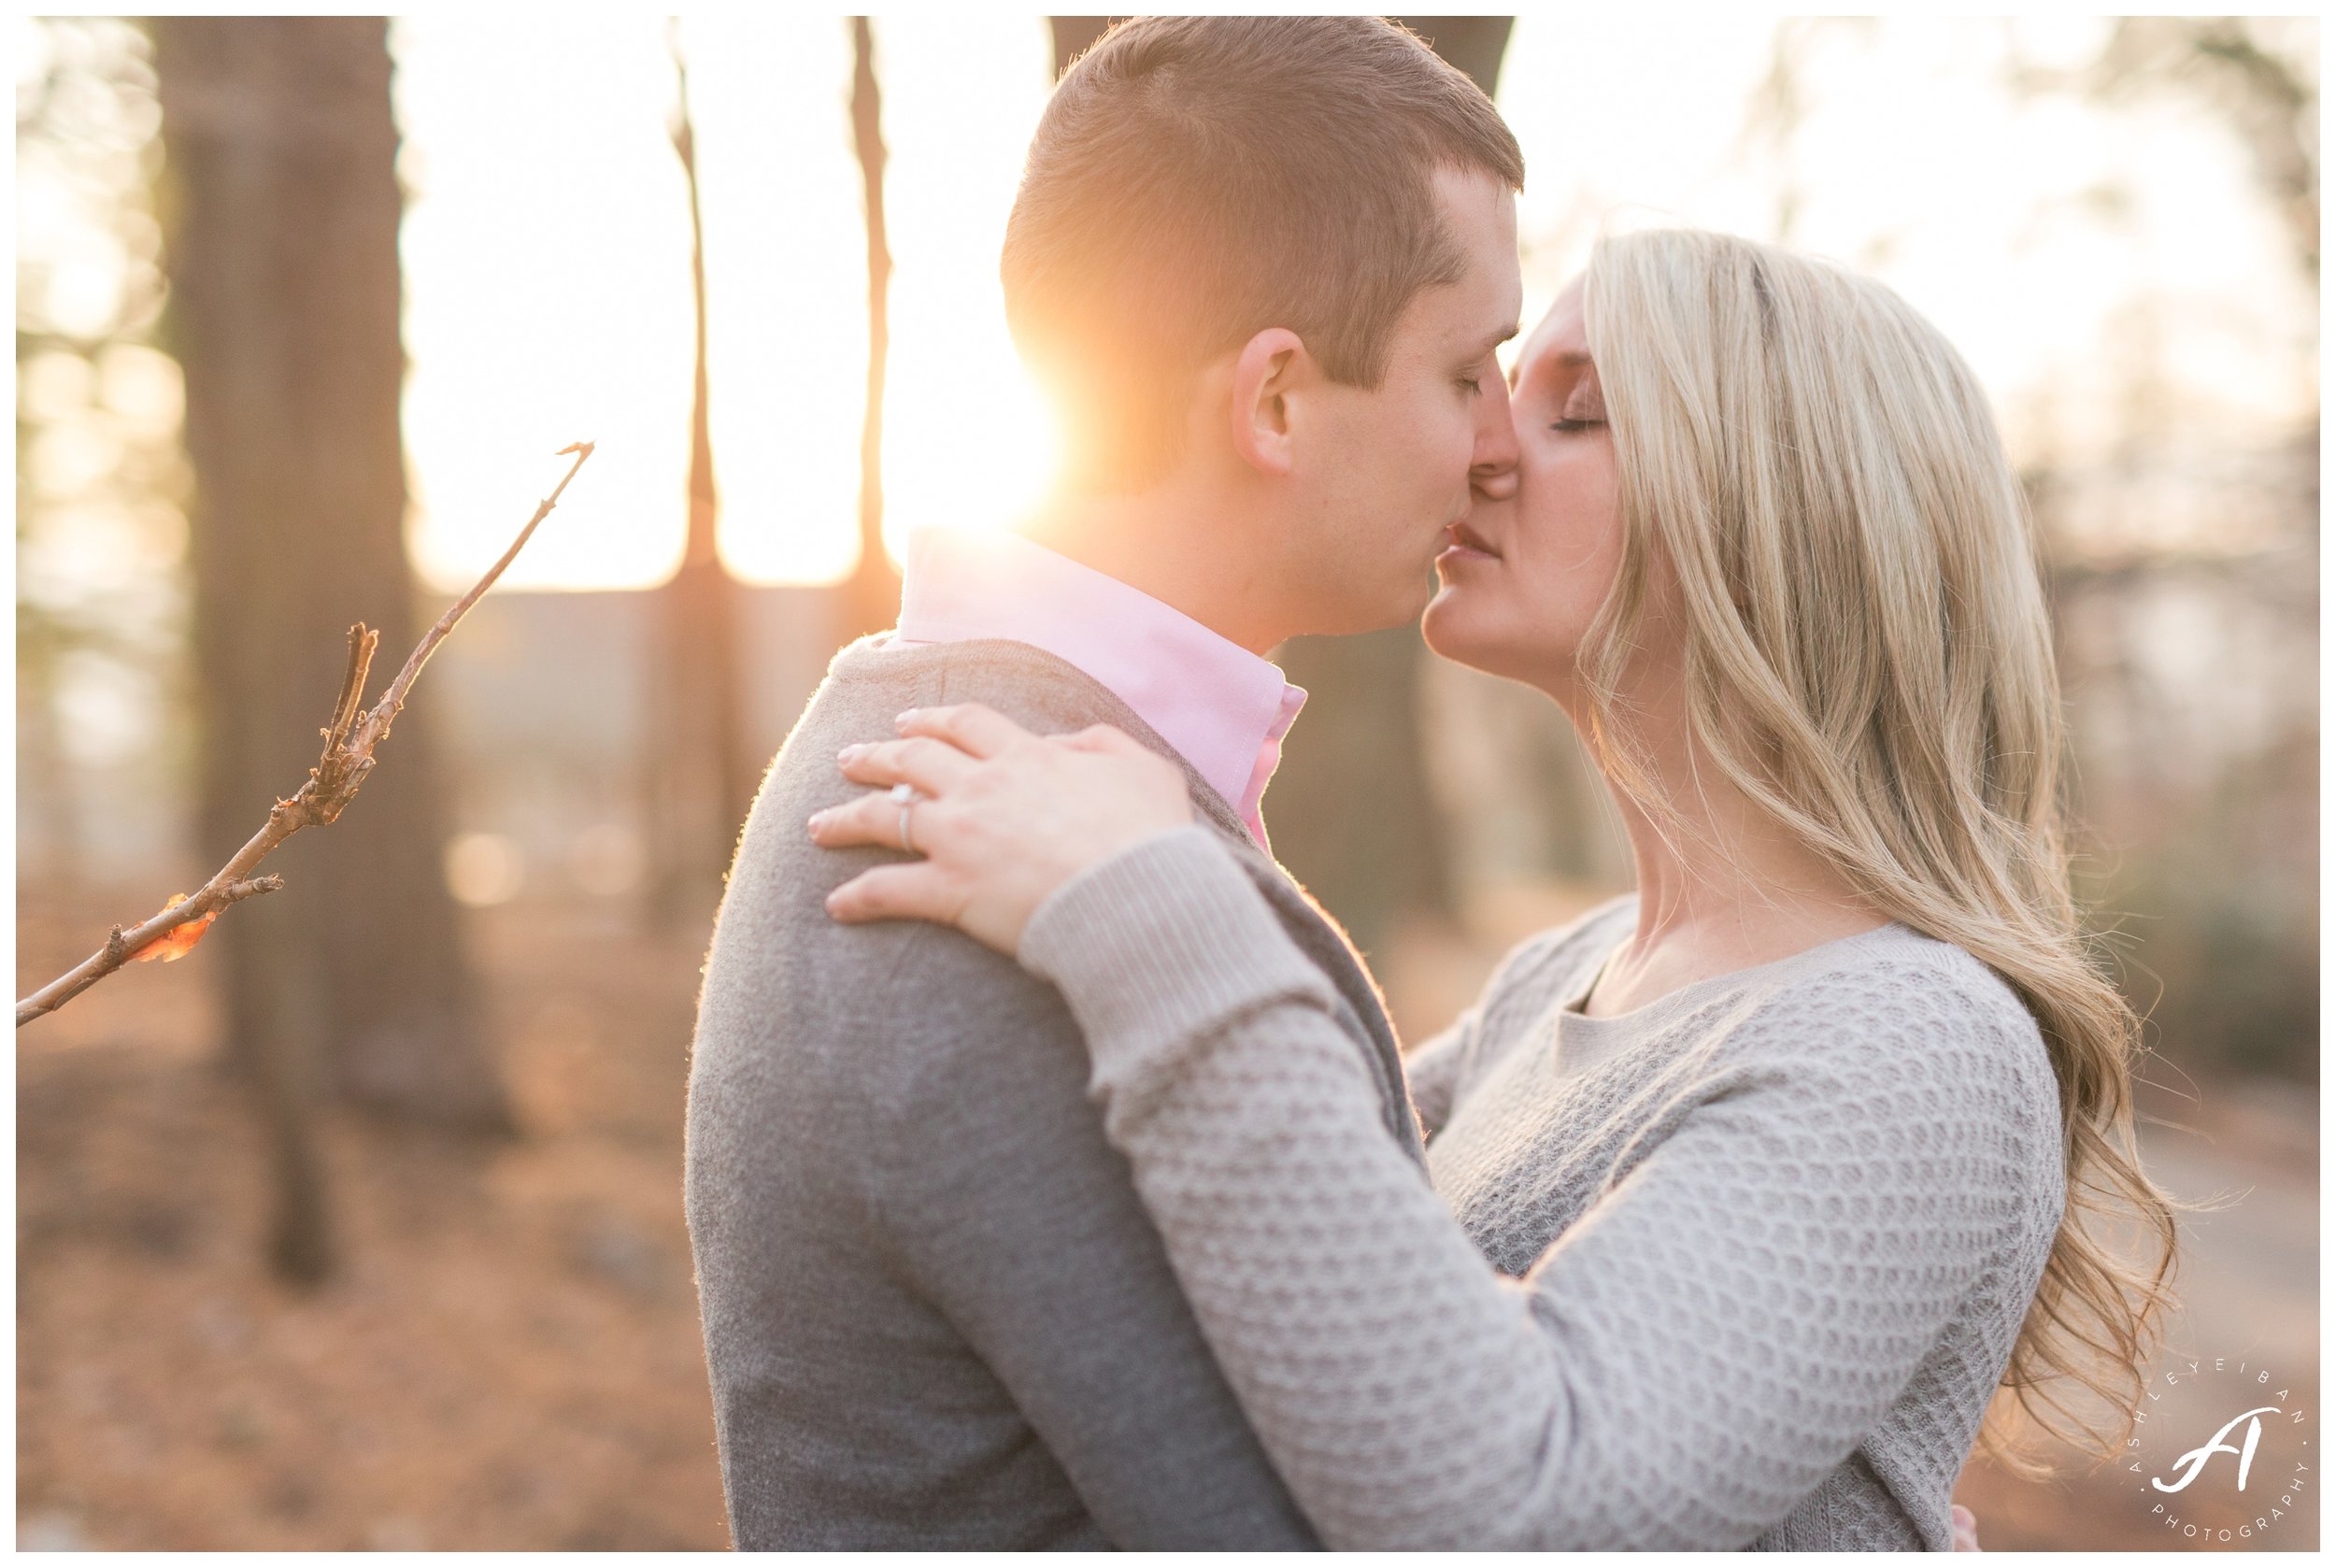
[1263, 263]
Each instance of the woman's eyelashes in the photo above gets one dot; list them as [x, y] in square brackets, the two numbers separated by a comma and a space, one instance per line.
[1583, 409]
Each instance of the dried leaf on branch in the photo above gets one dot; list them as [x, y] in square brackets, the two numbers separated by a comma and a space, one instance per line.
[176, 945]
[349, 741]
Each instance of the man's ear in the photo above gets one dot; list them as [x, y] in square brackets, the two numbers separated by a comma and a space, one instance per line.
[1264, 374]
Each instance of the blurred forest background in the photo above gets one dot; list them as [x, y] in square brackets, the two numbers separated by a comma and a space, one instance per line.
[362, 1226]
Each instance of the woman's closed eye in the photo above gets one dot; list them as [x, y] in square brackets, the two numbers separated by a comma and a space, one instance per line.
[1583, 409]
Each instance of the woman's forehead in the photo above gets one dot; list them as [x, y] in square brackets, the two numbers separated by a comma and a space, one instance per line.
[1559, 336]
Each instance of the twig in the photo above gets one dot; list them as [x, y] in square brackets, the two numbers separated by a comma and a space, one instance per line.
[349, 741]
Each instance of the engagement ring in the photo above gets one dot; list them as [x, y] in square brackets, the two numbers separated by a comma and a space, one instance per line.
[905, 798]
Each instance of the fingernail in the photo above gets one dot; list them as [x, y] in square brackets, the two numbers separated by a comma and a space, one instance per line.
[907, 714]
[848, 753]
[812, 826]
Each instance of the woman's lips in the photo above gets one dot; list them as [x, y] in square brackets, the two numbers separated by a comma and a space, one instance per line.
[1465, 542]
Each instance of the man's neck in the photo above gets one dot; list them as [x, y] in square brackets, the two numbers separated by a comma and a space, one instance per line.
[1172, 545]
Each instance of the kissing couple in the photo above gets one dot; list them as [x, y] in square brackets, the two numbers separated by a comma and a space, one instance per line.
[1054, 1176]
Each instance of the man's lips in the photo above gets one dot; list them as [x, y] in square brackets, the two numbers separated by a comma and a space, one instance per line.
[1462, 537]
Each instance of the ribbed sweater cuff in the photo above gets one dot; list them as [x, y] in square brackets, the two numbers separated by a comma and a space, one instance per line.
[1159, 945]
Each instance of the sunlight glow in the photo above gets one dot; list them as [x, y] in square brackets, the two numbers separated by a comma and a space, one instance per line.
[787, 287]
[580, 324]
[968, 438]
[2046, 238]
[547, 285]
[546, 253]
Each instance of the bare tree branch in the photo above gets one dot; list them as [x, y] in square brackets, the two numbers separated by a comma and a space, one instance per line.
[347, 758]
[872, 593]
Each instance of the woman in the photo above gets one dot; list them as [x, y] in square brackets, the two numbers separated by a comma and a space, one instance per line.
[1750, 1189]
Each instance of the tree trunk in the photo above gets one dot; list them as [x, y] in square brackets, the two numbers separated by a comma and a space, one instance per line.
[282, 207]
[872, 596]
[1473, 44]
[704, 780]
[1072, 35]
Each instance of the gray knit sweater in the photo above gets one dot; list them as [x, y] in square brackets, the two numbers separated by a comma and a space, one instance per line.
[1758, 1251]
[935, 1312]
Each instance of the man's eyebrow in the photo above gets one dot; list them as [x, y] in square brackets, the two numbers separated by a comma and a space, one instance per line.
[1498, 335]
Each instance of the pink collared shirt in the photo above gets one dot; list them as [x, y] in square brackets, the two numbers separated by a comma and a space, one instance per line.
[1222, 708]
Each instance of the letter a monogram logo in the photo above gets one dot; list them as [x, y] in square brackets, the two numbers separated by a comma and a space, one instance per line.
[2196, 1459]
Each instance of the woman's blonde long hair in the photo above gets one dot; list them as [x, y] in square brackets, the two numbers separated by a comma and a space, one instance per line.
[1869, 659]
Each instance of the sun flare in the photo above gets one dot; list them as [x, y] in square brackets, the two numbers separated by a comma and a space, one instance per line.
[547, 249]
[547, 255]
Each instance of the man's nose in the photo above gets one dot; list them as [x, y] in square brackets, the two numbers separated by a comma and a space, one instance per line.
[1492, 471]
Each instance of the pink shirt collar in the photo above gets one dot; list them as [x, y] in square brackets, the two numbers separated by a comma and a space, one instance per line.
[1222, 708]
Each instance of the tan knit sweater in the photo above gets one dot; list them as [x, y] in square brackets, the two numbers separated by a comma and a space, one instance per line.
[1740, 1268]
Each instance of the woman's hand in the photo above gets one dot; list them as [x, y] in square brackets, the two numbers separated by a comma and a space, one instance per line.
[1004, 817]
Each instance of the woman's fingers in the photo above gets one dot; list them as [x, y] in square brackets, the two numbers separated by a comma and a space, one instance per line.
[973, 727]
[869, 820]
[918, 891]
[1102, 737]
[931, 766]
[998, 835]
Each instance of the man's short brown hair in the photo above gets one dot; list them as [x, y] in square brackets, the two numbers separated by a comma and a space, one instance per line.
[1197, 179]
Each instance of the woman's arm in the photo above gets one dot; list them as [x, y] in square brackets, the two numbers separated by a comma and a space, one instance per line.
[1693, 1354]
[1688, 1361]
[1432, 1073]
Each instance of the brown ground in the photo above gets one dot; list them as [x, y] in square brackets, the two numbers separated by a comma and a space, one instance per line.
[509, 1357]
